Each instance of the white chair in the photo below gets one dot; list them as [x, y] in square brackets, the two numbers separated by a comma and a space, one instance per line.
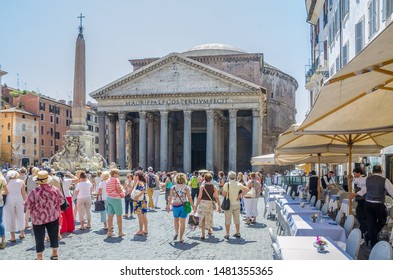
[325, 209]
[289, 190]
[312, 200]
[339, 217]
[293, 195]
[318, 204]
[353, 243]
[286, 228]
[308, 197]
[273, 236]
[349, 223]
[381, 251]
[276, 252]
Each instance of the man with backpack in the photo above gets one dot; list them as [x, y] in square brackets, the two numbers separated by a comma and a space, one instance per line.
[194, 184]
[153, 185]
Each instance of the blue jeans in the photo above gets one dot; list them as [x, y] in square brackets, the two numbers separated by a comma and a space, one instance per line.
[2, 231]
[129, 205]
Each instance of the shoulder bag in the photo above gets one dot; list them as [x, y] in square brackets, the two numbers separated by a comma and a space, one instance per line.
[135, 193]
[214, 204]
[65, 204]
[226, 203]
[99, 205]
[251, 192]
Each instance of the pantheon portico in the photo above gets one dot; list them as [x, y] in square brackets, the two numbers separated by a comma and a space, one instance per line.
[181, 113]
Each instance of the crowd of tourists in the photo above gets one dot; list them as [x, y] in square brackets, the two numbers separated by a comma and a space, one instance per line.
[53, 203]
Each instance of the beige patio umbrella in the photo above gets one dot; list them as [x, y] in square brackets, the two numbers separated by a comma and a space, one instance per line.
[291, 142]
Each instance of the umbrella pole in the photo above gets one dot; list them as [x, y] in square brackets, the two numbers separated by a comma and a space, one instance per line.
[350, 177]
[319, 177]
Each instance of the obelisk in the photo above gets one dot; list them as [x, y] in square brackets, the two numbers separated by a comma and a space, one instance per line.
[78, 149]
[79, 96]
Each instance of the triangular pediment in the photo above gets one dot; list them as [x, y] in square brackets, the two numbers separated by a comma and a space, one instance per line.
[175, 74]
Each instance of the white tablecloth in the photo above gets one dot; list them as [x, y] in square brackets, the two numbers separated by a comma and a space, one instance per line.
[302, 248]
[303, 226]
[345, 206]
[290, 210]
[284, 201]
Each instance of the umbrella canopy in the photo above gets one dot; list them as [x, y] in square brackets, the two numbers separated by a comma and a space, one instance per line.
[263, 160]
[358, 98]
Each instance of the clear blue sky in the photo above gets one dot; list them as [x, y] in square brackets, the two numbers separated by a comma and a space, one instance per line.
[38, 37]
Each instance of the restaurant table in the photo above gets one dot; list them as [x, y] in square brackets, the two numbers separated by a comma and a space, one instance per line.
[302, 225]
[302, 248]
[290, 201]
[290, 210]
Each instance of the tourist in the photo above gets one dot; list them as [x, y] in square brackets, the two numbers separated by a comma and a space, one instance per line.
[152, 185]
[180, 193]
[221, 180]
[234, 190]
[102, 195]
[128, 202]
[140, 203]
[83, 197]
[44, 205]
[14, 215]
[115, 194]
[68, 223]
[251, 201]
[375, 209]
[97, 181]
[3, 191]
[168, 187]
[327, 181]
[206, 203]
[194, 184]
[30, 185]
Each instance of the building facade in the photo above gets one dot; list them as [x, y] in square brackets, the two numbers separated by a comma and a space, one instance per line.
[19, 143]
[213, 107]
[340, 29]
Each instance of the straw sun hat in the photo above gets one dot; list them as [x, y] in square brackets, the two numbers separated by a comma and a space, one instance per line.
[42, 177]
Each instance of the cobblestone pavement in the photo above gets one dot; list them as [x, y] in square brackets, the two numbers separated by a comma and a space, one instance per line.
[93, 244]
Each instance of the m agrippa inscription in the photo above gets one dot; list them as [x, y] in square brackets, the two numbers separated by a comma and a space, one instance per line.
[190, 101]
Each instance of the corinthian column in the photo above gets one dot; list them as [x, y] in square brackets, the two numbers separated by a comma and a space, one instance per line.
[187, 141]
[164, 141]
[122, 140]
[142, 138]
[150, 140]
[209, 139]
[156, 143]
[130, 147]
[101, 133]
[112, 137]
[232, 140]
[256, 132]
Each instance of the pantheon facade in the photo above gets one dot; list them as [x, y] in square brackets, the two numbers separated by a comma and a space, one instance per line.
[212, 107]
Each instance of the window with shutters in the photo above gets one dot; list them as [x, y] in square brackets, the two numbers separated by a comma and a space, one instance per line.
[359, 37]
[373, 19]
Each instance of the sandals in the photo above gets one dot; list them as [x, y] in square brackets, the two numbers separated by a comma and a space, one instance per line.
[22, 236]
[175, 237]
[54, 258]
[202, 238]
[226, 237]
[237, 235]
[110, 234]
[2, 245]
[145, 233]
[12, 240]
[122, 234]
[138, 233]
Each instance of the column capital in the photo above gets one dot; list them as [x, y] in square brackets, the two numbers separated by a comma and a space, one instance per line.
[149, 116]
[122, 115]
[256, 112]
[142, 114]
[232, 113]
[210, 113]
[112, 118]
[187, 113]
[164, 114]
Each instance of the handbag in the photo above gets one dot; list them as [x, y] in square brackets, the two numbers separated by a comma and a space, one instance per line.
[135, 193]
[226, 203]
[214, 205]
[251, 192]
[193, 220]
[99, 205]
[186, 205]
[65, 205]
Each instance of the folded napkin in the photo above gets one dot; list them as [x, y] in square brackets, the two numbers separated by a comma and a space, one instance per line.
[333, 223]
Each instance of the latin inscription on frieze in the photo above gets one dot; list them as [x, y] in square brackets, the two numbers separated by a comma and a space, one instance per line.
[194, 101]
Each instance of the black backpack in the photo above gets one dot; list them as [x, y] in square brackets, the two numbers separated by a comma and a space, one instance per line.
[152, 181]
